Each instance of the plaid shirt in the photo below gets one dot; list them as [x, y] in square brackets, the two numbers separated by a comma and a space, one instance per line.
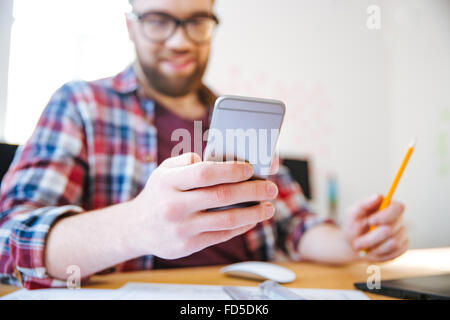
[95, 146]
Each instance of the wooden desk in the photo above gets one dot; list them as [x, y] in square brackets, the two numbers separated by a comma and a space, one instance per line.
[418, 262]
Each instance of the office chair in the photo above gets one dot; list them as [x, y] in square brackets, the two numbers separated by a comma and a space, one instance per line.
[7, 152]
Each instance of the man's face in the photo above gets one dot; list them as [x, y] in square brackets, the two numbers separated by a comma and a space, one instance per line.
[175, 66]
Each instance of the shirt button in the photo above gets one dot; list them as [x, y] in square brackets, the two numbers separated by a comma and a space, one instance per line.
[148, 158]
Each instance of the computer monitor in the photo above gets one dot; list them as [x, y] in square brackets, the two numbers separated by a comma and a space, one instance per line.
[300, 172]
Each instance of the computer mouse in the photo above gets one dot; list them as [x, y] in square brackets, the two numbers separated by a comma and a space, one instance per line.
[257, 270]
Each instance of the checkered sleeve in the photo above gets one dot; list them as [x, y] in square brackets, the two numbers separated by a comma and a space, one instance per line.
[43, 184]
[293, 216]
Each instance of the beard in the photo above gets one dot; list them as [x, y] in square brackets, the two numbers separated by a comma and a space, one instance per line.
[171, 86]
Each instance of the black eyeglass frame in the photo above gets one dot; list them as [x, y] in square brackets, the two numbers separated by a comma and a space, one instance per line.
[178, 23]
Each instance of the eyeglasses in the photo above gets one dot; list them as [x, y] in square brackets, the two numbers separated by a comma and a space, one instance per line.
[160, 26]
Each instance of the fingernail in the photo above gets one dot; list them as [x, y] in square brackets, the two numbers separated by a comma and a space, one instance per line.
[269, 210]
[374, 197]
[272, 189]
[248, 170]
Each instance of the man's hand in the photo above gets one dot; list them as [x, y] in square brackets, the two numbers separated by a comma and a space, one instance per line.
[387, 241]
[169, 213]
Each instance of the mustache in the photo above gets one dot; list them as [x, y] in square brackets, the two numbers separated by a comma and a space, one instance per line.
[174, 87]
[175, 56]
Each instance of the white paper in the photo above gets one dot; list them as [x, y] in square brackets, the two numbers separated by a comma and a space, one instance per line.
[157, 291]
[63, 294]
[162, 291]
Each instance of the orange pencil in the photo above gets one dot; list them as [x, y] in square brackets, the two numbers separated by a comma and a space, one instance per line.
[387, 199]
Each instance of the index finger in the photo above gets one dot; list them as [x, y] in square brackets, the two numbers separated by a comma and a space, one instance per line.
[366, 207]
[180, 161]
[210, 173]
[388, 215]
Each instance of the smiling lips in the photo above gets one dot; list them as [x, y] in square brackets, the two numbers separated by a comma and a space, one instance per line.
[178, 64]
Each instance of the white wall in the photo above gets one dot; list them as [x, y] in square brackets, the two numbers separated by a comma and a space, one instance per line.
[54, 42]
[5, 28]
[319, 57]
[418, 96]
[355, 96]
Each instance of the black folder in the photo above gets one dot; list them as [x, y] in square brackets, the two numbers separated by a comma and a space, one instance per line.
[435, 287]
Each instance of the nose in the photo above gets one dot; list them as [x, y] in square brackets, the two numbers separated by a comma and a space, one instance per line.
[179, 40]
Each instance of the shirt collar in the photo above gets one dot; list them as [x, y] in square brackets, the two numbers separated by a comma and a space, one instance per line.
[126, 81]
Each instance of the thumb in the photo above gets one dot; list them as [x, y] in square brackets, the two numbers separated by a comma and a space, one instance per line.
[180, 161]
[275, 165]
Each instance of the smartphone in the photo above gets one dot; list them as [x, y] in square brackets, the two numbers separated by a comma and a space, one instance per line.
[245, 129]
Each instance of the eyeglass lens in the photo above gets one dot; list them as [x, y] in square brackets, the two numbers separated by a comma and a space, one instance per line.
[160, 27]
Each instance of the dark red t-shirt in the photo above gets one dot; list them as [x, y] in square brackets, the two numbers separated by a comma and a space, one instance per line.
[234, 250]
